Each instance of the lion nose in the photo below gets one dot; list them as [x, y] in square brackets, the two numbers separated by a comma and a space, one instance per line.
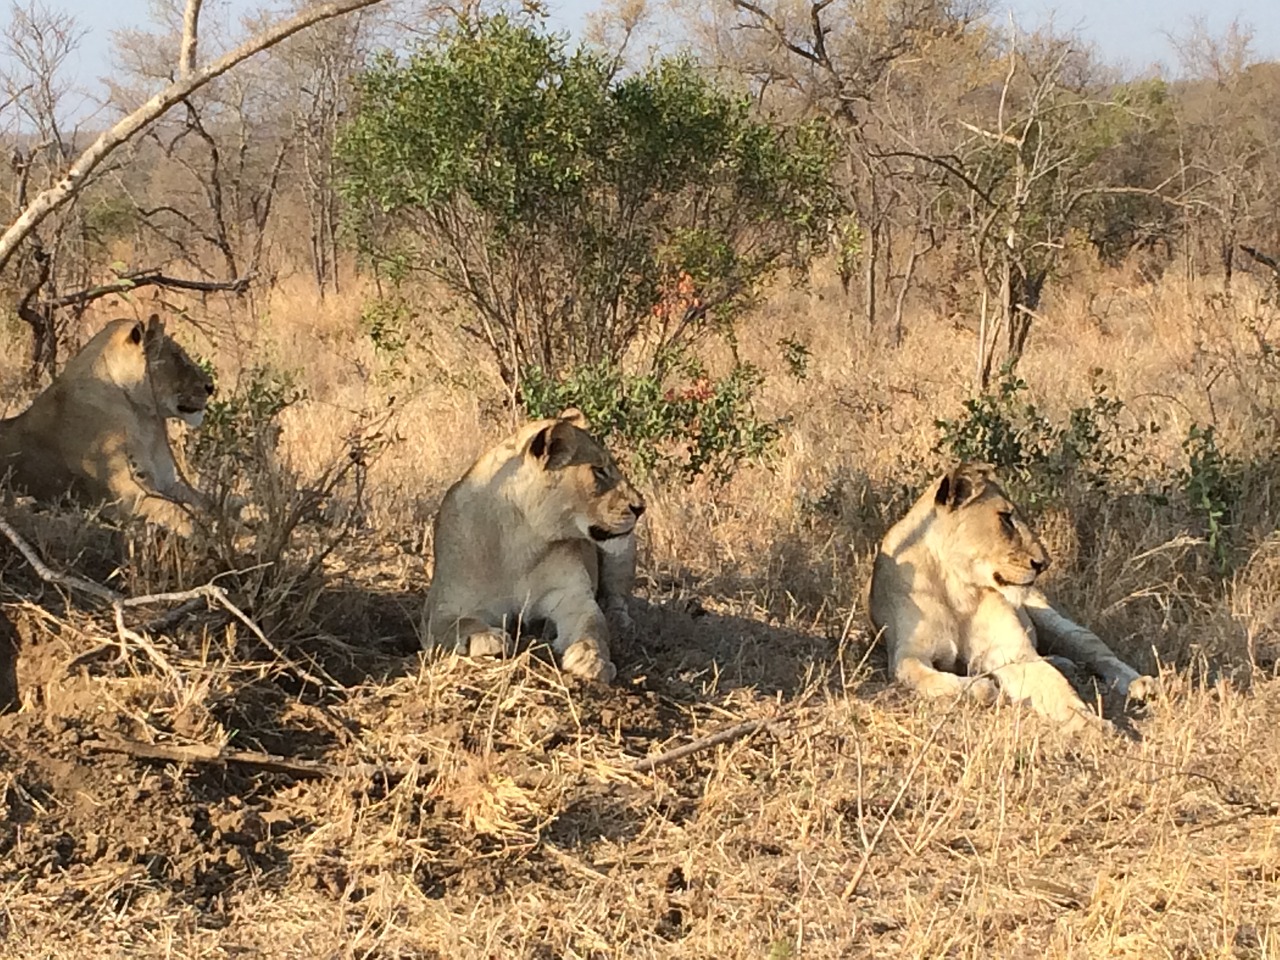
[638, 510]
[208, 388]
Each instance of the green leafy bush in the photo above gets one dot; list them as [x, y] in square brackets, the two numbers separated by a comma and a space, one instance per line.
[1210, 481]
[1094, 447]
[687, 424]
[244, 419]
[582, 217]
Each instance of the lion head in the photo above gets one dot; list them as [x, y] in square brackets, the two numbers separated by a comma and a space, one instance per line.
[981, 534]
[148, 365]
[581, 493]
[181, 387]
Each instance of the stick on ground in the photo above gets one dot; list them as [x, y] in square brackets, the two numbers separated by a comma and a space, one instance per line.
[735, 732]
[209, 592]
[205, 753]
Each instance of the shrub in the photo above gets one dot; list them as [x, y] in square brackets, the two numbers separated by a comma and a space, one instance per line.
[687, 424]
[571, 209]
[1093, 447]
[1210, 481]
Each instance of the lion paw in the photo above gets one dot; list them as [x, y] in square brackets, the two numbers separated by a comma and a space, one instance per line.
[1143, 688]
[491, 643]
[585, 659]
[983, 690]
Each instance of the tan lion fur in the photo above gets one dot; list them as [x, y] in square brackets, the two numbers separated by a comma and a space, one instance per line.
[953, 588]
[541, 529]
[98, 430]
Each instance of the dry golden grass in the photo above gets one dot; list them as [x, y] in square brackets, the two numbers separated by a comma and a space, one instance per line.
[511, 822]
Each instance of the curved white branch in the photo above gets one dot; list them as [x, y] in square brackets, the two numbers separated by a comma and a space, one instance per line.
[77, 174]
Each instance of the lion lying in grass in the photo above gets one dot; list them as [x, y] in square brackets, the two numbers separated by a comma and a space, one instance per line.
[98, 431]
[954, 587]
[541, 529]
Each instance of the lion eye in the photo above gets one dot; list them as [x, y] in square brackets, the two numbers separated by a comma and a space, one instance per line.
[1006, 521]
[601, 475]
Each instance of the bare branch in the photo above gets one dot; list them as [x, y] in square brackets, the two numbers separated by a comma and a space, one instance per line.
[1262, 258]
[147, 278]
[210, 591]
[74, 180]
[190, 30]
[776, 29]
[48, 575]
[735, 732]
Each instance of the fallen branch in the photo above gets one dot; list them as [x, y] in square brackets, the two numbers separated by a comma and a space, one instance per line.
[735, 732]
[196, 753]
[48, 575]
[210, 592]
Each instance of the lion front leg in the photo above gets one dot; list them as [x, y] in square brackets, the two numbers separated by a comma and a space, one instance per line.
[582, 634]
[928, 681]
[918, 640]
[612, 567]
[1060, 635]
[135, 500]
[467, 637]
[1000, 644]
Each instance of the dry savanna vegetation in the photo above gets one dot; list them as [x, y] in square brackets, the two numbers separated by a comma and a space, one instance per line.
[784, 333]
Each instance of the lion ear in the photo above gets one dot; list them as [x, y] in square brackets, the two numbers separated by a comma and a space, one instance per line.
[155, 329]
[554, 445]
[136, 333]
[575, 416]
[965, 482]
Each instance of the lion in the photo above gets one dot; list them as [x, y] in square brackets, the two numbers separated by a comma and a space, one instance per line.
[541, 529]
[954, 587]
[98, 430]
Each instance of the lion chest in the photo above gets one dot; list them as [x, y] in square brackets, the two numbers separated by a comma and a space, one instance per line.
[996, 633]
[537, 572]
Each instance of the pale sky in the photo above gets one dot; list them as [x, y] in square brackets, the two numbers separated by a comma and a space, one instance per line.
[1132, 32]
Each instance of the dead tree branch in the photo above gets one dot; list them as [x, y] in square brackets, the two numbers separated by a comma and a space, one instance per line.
[77, 175]
[190, 36]
[1263, 259]
[132, 280]
[211, 592]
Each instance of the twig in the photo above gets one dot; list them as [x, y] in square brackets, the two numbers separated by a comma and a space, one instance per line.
[738, 730]
[205, 753]
[142, 643]
[209, 591]
[852, 886]
[48, 575]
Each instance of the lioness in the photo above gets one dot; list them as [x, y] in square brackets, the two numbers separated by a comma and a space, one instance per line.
[98, 431]
[540, 529]
[954, 586]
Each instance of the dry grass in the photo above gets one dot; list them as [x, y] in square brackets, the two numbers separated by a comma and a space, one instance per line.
[861, 823]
